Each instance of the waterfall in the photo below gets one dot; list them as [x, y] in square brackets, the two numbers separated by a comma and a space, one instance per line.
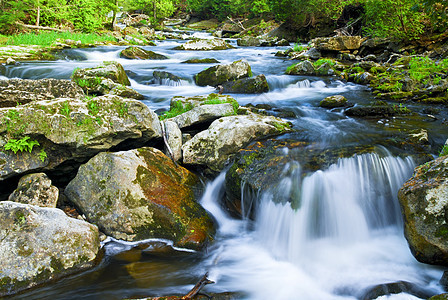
[330, 235]
[344, 203]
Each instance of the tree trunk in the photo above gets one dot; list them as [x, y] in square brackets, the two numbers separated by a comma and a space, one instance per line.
[38, 14]
[154, 9]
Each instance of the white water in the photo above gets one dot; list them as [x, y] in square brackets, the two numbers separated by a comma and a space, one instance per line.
[345, 237]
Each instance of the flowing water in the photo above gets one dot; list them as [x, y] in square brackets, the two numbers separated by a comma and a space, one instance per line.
[344, 234]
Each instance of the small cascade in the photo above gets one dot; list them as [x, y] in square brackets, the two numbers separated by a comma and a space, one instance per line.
[344, 203]
[304, 84]
[170, 82]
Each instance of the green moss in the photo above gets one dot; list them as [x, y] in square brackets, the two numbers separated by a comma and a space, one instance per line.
[442, 231]
[177, 108]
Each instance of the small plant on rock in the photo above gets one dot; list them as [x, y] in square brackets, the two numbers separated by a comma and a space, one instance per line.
[23, 144]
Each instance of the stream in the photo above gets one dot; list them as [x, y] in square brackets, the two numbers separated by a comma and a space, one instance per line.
[347, 234]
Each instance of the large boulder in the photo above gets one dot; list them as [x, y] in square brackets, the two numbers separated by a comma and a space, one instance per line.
[41, 244]
[253, 85]
[337, 43]
[205, 45]
[91, 79]
[36, 189]
[59, 132]
[213, 147]
[424, 203]
[301, 68]
[221, 73]
[140, 194]
[134, 52]
[21, 91]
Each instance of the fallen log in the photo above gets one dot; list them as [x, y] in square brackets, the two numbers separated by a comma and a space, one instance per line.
[39, 27]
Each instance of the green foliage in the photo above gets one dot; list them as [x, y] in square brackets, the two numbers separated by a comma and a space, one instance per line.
[322, 61]
[401, 109]
[88, 83]
[50, 38]
[215, 99]
[444, 150]
[421, 68]
[156, 9]
[393, 18]
[177, 108]
[437, 11]
[23, 144]
[93, 107]
[65, 109]
[42, 155]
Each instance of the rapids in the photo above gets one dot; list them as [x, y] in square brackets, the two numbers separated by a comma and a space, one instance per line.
[345, 234]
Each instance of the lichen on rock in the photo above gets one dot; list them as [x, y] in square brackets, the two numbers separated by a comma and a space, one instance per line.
[140, 194]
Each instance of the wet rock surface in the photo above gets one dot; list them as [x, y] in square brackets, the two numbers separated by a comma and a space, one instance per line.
[140, 194]
[21, 91]
[424, 201]
[40, 244]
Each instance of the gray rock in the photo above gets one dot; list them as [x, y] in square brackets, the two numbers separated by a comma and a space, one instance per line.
[126, 92]
[216, 145]
[337, 43]
[302, 68]
[424, 202]
[41, 244]
[139, 53]
[205, 45]
[203, 114]
[219, 74]
[10, 61]
[70, 130]
[362, 78]
[313, 53]
[22, 91]
[140, 194]
[333, 101]
[36, 189]
[174, 138]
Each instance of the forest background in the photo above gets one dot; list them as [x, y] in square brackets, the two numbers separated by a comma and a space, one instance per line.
[401, 19]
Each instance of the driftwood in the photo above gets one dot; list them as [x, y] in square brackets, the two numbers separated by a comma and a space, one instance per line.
[238, 23]
[197, 288]
[39, 27]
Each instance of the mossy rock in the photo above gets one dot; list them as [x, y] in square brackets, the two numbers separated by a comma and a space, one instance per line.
[219, 74]
[333, 101]
[255, 85]
[141, 194]
[139, 53]
[201, 61]
[423, 199]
